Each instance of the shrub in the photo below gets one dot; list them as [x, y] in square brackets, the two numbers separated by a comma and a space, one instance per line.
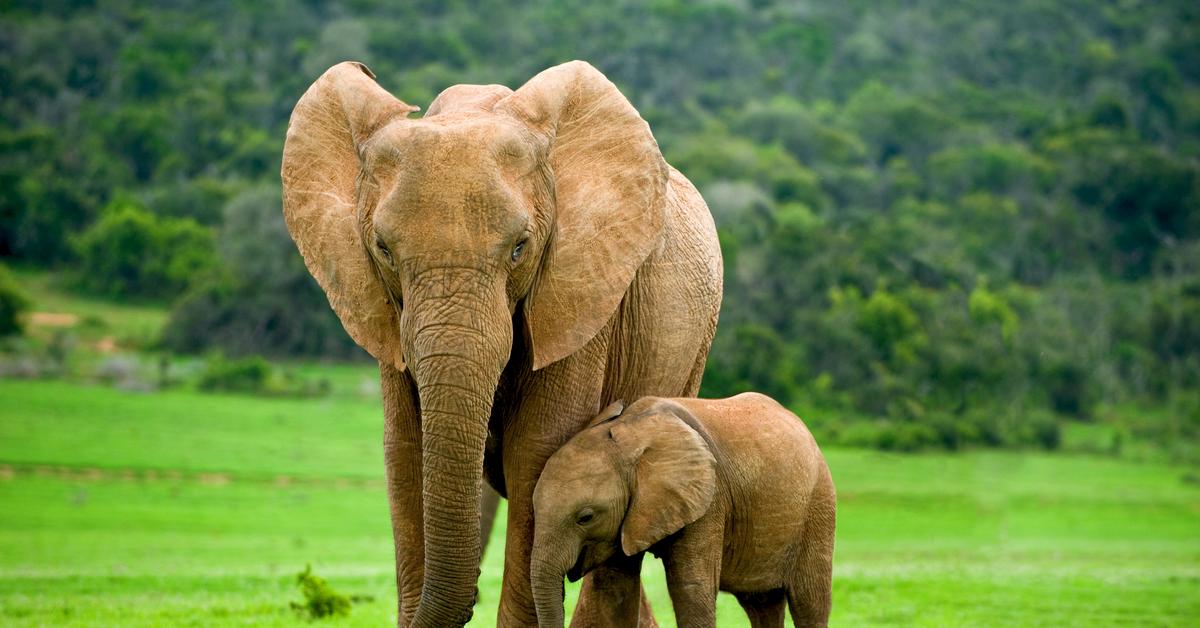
[907, 437]
[1174, 326]
[1044, 431]
[1070, 390]
[130, 252]
[887, 435]
[320, 599]
[13, 304]
[263, 300]
[890, 323]
[953, 432]
[248, 375]
[759, 359]
[253, 375]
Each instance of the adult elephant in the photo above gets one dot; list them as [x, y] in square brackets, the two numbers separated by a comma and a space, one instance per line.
[515, 260]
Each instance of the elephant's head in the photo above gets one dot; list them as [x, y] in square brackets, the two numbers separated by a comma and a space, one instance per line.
[620, 486]
[432, 235]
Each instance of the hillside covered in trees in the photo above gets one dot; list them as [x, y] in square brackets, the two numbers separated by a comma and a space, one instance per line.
[944, 223]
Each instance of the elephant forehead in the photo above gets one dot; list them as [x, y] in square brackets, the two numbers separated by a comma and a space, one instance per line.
[458, 143]
[468, 175]
[558, 494]
[578, 470]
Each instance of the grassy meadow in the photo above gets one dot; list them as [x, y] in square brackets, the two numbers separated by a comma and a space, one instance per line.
[127, 507]
[961, 239]
[179, 508]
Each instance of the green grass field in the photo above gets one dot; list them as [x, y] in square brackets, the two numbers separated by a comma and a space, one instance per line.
[178, 508]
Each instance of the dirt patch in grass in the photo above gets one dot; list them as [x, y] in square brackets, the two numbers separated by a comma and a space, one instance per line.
[53, 319]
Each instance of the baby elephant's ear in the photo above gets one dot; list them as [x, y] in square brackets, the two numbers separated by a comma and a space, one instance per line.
[674, 480]
[610, 412]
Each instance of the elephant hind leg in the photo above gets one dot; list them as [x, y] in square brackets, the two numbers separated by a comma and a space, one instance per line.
[807, 608]
[765, 609]
[692, 387]
[810, 591]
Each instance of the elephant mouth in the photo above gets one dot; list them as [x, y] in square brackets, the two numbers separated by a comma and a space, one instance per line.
[576, 570]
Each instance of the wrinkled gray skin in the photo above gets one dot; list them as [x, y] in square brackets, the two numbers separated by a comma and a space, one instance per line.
[515, 260]
[733, 494]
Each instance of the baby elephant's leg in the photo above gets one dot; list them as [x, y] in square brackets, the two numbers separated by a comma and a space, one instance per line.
[693, 566]
[808, 609]
[810, 592]
[765, 610]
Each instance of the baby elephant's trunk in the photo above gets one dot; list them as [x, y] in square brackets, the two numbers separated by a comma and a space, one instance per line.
[549, 564]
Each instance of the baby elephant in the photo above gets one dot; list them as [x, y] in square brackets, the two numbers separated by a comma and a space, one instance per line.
[733, 494]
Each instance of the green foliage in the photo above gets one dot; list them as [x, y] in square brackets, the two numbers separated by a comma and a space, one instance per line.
[894, 125]
[1175, 323]
[986, 307]
[253, 374]
[753, 357]
[866, 163]
[264, 300]
[1174, 334]
[889, 323]
[320, 599]
[131, 252]
[1009, 168]
[250, 374]
[13, 304]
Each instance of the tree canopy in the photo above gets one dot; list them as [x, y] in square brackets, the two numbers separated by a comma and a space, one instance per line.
[969, 219]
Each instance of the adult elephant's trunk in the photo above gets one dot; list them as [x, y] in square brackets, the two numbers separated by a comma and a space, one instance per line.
[459, 335]
[549, 563]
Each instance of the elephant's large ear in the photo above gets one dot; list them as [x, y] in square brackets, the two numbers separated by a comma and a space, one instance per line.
[674, 478]
[609, 185]
[321, 170]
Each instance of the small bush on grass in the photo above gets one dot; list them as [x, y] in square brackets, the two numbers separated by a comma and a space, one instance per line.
[320, 599]
[1041, 429]
[997, 427]
[246, 375]
[255, 375]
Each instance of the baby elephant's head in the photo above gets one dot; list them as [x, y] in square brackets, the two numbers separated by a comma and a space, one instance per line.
[621, 485]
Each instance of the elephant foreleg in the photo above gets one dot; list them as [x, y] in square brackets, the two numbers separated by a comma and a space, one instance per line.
[612, 595]
[693, 565]
[402, 458]
[555, 403]
[489, 503]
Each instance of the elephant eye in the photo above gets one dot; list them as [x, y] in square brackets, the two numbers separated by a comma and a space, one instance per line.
[585, 516]
[383, 249]
[518, 249]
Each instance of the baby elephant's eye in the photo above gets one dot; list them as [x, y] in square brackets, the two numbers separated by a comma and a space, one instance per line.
[518, 249]
[585, 516]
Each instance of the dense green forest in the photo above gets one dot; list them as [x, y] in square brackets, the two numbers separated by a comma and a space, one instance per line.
[944, 223]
